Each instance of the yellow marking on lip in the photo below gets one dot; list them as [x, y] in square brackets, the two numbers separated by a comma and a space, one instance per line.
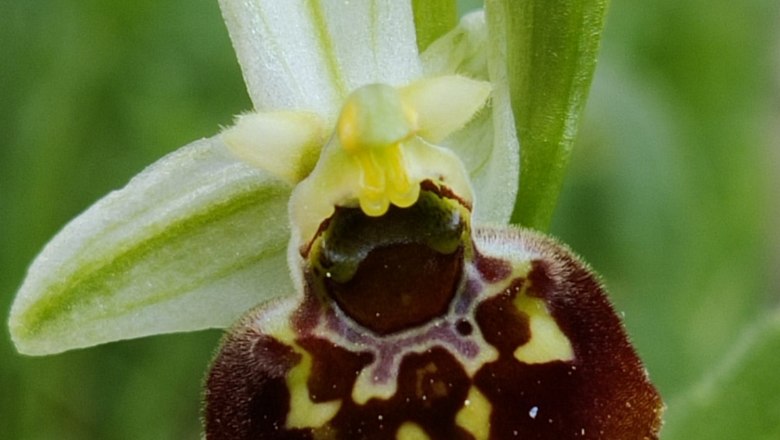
[411, 431]
[304, 413]
[367, 388]
[474, 417]
[547, 343]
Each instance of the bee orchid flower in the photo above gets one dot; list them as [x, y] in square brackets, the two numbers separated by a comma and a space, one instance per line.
[352, 229]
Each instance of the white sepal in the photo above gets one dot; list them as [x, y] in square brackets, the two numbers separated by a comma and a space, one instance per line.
[310, 54]
[444, 104]
[285, 144]
[190, 243]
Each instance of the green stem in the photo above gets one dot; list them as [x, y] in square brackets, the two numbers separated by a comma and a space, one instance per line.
[432, 19]
[552, 47]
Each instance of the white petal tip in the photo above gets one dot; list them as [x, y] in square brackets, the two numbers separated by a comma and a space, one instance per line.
[285, 144]
[445, 104]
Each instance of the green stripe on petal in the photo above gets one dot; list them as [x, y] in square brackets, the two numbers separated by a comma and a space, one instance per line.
[190, 243]
[281, 55]
[373, 41]
[302, 54]
[488, 144]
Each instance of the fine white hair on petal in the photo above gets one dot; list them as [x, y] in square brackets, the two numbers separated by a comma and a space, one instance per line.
[520, 244]
[285, 144]
[308, 55]
[374, 41]
[280, 55]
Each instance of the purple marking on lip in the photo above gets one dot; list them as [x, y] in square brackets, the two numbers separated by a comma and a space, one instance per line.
[386, 357]
[388, 350]
[466, 298]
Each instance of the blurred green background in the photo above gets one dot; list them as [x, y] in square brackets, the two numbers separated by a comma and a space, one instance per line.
[672, 194]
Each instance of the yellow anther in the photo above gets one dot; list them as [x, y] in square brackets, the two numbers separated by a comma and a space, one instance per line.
[372, 194]
[373, 176]
[401, 191]
[348, 128]
[372, 127]
[373, 203]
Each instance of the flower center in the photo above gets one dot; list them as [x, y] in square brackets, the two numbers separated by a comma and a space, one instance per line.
[375, 159]
[371, 128]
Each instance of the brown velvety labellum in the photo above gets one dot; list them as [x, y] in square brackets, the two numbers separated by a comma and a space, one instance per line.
[524, 386]
[249, 364]
[432, 387]
[328, 379]
[502, 325]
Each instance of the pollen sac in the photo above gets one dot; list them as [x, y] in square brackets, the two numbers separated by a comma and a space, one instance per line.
[375, 160]
[413, 325]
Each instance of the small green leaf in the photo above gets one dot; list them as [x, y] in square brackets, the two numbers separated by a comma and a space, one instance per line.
[432, 19]
[551, 54]
[190, 243]
[741, 397]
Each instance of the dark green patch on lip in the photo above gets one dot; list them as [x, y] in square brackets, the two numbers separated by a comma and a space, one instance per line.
[433, 221]
[397, 271]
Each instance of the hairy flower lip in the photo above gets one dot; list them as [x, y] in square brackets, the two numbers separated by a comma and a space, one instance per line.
[598, 384]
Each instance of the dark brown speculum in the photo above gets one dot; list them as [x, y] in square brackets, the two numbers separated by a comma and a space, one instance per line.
[413, 326]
